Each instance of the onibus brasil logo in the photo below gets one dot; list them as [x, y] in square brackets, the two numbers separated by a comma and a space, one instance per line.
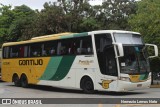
[21, 101]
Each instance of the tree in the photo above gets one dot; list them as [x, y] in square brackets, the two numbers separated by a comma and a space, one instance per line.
[14, 22]
[89, 24]
[23, 17]
[114, 13]
[66, 16]
[76, 12]
[21, 22]
[51, 19]
[146, 20]
[6, 18]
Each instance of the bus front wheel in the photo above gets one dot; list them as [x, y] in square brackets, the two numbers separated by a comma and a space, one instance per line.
[87, 85]
[24, 81]
[16, 80]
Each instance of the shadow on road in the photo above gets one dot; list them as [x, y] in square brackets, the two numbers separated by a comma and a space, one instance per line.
[120, 93]
[1, 81]
[62, 90]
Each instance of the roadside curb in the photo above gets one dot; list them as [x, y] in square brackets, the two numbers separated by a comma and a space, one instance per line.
[155, 86]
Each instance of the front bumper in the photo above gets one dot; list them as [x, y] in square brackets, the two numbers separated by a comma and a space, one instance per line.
[128, 86]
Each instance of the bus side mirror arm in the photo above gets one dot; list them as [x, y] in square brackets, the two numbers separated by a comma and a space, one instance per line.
[155, 50]
[120, 49]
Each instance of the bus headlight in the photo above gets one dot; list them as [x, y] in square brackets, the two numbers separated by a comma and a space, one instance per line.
[124, 78]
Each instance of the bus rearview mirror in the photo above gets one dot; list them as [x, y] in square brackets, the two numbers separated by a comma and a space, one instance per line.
[155, 50]
[120, 52]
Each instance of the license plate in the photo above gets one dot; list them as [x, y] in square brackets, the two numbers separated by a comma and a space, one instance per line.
[139, 85]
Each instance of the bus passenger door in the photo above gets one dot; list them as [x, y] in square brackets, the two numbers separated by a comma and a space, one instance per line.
[107, 75]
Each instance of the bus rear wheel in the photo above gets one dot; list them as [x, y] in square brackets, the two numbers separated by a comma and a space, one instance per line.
[87, 85]
[24, 81]
[16, 80]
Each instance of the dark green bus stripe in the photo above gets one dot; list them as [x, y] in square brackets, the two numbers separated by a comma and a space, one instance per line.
[80, 34]
[74, 35]
[51, 68]
[63, 68]
[58, 68]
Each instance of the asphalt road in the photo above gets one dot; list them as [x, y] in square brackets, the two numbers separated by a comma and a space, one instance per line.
[8, 90]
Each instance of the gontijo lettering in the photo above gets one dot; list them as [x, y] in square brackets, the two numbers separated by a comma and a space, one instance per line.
[31, 62]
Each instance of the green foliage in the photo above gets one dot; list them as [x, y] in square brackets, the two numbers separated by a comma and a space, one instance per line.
[154, 63]
[66, 16]
[115, 13]
[21, 22]
[146, 20]
[6, 18]
[14, 22]
[89, 24]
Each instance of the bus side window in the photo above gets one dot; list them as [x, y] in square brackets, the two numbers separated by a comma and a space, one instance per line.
[72, 48]
[86, 45]
[36, 50]
[52, 51]
[21, 51]
[44, 50]
[25, 51]
[49, 48]
[6, 52]
[79, 49]
[62, 47]
[72, 45]
[59, 48]
[68, 46]
[14, 52]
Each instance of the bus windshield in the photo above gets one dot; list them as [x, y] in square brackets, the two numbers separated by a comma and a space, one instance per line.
[134, 60]
[135, 56]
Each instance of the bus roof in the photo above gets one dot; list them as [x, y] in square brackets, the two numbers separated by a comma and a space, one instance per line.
[53, 35]
[64, 35]
[48, 38]
[113, 31]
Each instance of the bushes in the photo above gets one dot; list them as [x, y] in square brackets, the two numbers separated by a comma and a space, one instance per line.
[155, 68]
[155, 65]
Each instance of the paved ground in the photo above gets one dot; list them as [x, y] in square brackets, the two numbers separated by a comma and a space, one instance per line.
[8, 90]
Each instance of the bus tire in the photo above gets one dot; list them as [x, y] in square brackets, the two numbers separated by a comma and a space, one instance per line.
[16, 80]
[87, 85]
[24, 81]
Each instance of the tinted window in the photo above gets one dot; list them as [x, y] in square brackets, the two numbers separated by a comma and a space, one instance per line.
[49, 48]
[14, 51]
[71, 46]
[106, 54]
[6, 52]
[36, 50]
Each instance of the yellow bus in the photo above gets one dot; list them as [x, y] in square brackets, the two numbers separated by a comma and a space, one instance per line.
[105, 60]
